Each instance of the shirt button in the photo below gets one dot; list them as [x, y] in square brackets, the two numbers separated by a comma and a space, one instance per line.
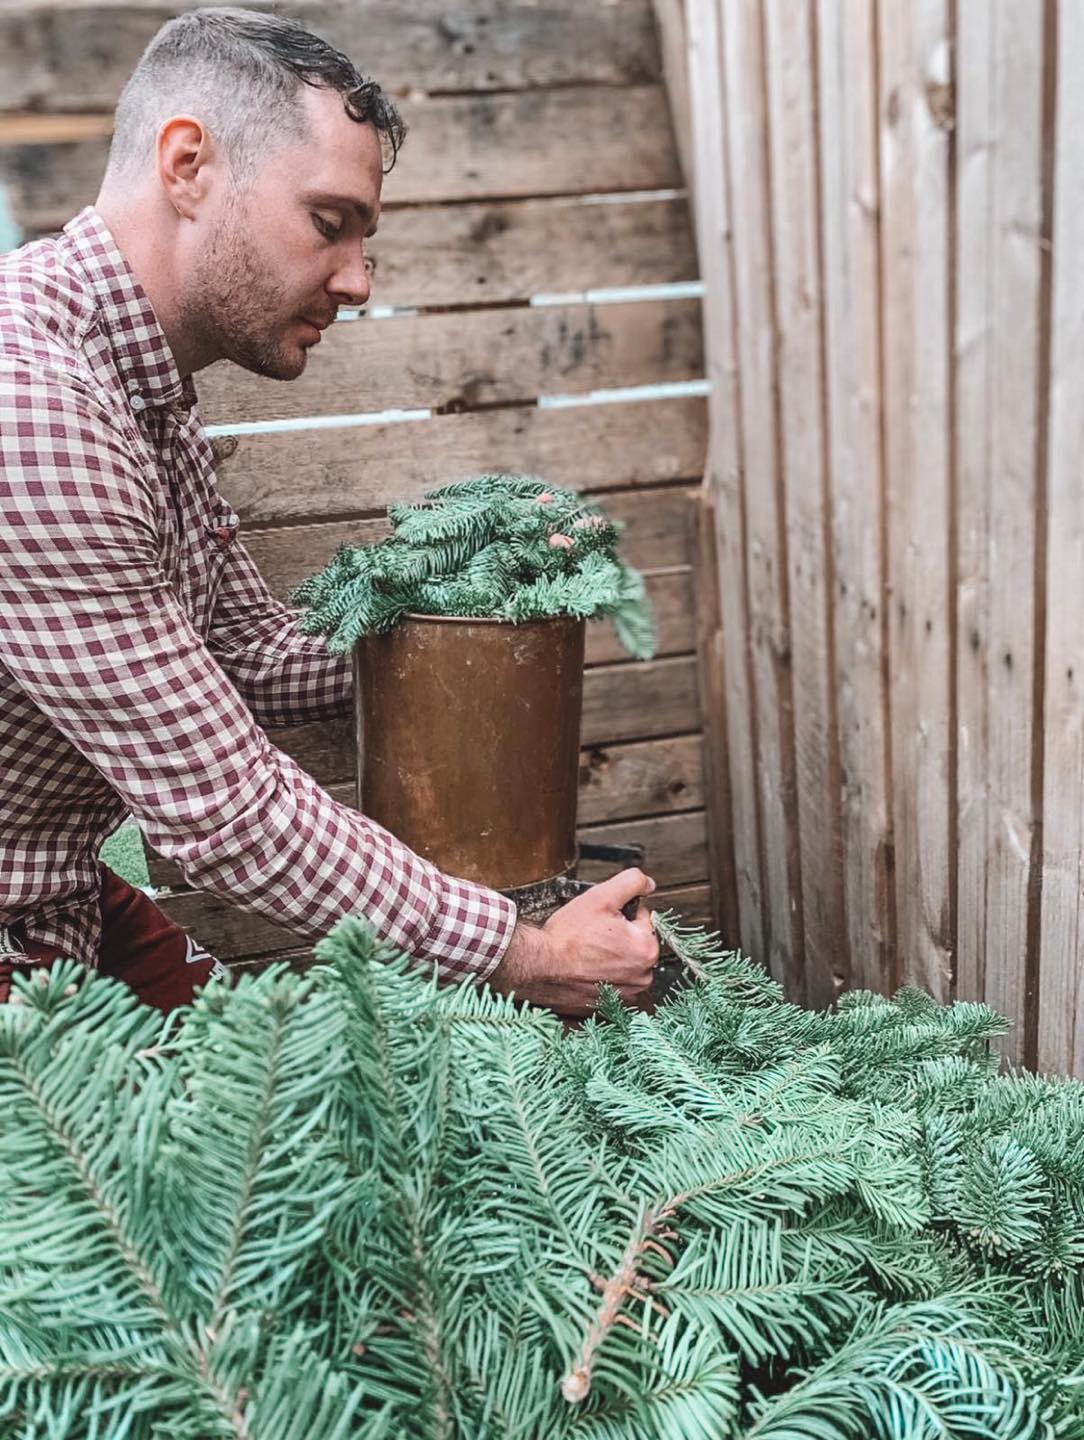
[137, 402]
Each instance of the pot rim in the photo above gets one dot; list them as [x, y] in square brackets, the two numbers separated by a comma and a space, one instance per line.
[491, 620]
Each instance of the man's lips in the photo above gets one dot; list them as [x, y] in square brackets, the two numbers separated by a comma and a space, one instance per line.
[316, 325]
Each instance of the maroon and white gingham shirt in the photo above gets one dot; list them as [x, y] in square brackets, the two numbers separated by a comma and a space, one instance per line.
[140, 651]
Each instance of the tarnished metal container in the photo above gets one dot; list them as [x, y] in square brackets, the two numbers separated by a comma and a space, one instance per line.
[468, 742]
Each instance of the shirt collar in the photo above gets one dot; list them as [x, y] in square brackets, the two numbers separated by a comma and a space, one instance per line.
[143, 356]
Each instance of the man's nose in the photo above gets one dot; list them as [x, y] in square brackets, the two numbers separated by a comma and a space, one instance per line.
[350, 285]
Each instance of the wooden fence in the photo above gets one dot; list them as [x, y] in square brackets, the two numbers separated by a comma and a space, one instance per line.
[540, 166]
[891, 223]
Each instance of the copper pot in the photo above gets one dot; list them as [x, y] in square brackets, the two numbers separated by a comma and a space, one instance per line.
[468, 742]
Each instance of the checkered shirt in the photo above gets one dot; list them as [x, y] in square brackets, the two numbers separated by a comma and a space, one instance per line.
[140, 651]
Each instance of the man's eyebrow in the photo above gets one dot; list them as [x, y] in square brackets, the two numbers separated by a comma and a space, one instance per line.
[359, 207]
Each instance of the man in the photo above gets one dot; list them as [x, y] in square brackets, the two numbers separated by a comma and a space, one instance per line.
[140, 652]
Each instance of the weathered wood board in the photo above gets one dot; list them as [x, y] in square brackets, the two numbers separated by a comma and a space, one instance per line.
[350, 470]
[540, 166]
[1001, 398]
[848, 142]
[577, 141]
[468, 360]
[77, 54]
[655, 537]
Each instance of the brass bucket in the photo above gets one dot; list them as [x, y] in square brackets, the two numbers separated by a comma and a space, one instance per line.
[468, 742]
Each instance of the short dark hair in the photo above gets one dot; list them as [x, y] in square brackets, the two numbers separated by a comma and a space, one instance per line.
[240, 67]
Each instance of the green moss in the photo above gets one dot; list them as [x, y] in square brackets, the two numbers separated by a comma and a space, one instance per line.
[123, 853]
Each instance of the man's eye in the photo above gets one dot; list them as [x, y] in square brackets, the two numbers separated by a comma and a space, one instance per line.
[326, 229]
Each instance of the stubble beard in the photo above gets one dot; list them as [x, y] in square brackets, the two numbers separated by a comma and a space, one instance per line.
[236, 305]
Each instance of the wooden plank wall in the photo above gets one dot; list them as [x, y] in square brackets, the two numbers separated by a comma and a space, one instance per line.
[540, 162]
[890, 219]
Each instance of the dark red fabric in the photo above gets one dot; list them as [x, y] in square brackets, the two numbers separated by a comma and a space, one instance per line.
[140, 946]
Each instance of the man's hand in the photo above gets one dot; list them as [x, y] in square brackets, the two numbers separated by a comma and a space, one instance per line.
[587, 943]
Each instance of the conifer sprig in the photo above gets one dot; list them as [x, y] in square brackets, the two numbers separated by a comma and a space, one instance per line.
[497, 546]
[357, 1204]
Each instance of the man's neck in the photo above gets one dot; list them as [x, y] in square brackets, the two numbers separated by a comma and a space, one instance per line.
[155, 264]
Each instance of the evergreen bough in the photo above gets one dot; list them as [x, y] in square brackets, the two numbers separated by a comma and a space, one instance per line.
[356, 1204]
[497, 546]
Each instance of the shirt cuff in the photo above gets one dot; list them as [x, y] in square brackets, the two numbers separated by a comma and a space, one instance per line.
[471, 931]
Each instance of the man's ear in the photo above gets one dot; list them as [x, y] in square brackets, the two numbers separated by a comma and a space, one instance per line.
[184, 158]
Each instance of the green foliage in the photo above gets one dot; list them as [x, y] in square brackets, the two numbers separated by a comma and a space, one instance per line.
[124, 854]
[497, 546]
[357, 1204]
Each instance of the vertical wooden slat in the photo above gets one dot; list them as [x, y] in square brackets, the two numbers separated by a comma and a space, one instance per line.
[847, 73]
[714, 710]
[1061, 972]
[725, 470]
[671, 25]
[916, 139]
[999, 267]
[804, 484]
[747, 155]
[934, 147]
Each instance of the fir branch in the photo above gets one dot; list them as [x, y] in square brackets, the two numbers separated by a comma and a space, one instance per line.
[413, 1210]
[497, 546]
[624, 1284]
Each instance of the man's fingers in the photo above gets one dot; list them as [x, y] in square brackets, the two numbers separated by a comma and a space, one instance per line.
[643, 920]
[631, 994]
[627, 885]
[647, 930]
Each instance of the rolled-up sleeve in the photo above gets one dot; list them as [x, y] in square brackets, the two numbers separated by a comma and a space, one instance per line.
[93, 633]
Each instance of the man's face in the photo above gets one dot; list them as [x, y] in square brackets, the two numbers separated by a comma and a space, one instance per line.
[283, 254]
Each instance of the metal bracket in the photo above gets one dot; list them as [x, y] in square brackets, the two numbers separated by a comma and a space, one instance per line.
[617, 854]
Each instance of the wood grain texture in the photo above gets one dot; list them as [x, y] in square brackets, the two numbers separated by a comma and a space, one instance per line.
[575, 141]
[849, 236]
[1061, 976]
[734, 803]
[714, 707]
[675, 847]
[70, 56]
[498, 251]
[646, 777]
[999, 264]
[766, 541]
[319, 474]
[691, 903]
[916, 142]
[656, 537]
[672, 598]
[806, 487]
[672, 30]
[634, 701]
[463, 361]
[675, 855]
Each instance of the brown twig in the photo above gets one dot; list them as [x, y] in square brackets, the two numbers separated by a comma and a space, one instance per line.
[625, 1283]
